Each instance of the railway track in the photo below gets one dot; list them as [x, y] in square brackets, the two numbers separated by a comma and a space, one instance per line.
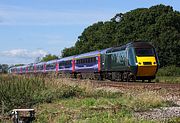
[153, 86]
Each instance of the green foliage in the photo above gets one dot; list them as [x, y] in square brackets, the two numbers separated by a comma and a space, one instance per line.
[102, 93]
[168, 79]
[174, 120]
[169, 71]
[18, 65]
[49, 57]
[158, 24]
[18, 91]
[102, 109]
[144, 101]
[4, 68]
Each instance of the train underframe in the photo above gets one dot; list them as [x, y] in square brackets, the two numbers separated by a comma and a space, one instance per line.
[125, 76]
[120, 76]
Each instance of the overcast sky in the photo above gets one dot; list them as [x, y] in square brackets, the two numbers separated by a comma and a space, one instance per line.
[34, 28]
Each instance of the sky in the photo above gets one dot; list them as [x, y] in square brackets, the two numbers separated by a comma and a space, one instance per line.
[35, 28]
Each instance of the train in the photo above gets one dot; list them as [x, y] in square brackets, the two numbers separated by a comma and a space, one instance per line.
[133, 61]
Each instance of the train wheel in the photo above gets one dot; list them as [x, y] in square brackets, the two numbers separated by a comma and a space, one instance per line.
[122, 77]
[125, 77]
[134, 78]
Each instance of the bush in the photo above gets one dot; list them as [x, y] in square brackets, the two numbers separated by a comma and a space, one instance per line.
[67, 91]
[169, 71]
[18, 91]
[23, 92]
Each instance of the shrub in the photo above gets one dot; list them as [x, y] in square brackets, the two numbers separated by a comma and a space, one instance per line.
[18, 91]
[169, 71]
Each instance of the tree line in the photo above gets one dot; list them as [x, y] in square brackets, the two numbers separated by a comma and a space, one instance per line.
[158, 24]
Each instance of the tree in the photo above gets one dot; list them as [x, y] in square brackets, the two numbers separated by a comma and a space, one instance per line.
[158, 24]
[38, 59]
[4, 68]
[49, 57]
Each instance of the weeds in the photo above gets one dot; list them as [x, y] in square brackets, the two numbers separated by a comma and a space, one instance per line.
[17, 91]
[169, 71]
[65, 101]
[145, 101]
[21, 91]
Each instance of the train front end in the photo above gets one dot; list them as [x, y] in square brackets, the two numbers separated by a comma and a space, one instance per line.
[146, 60]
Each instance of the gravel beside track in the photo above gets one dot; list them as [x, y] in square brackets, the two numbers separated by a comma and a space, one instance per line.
[162, 114]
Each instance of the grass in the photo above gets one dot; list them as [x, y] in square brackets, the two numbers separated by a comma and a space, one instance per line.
[106, 107]
[86, 110]
[167, 79]
[18, 91]
[62, 100]
[169, 74]
[169, 71]
[174, 120]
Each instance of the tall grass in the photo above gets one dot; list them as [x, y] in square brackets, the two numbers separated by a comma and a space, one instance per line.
[24, 91]
[62, 100]
[18, 91]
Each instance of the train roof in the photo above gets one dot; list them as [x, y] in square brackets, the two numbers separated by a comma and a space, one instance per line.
[40, 63]
[66, 58]
[52, 61]
[93, 53]
[140, 44]
[135, 44]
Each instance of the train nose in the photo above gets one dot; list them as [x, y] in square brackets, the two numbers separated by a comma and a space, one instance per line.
[146, 66]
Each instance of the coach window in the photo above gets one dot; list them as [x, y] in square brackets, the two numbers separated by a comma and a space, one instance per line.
[32, 68]
[47, 66]
[84, 60]
[39, 67]
[78, 61]
[52, 66]
[60, 64]
[24, 69]
[94, 59]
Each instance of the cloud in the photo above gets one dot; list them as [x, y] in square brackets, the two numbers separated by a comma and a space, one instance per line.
[23, 53]
[13, 15]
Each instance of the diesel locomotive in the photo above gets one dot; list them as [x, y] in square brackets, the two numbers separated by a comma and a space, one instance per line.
[130, 62]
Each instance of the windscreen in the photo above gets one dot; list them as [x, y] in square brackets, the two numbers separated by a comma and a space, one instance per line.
[144, 52]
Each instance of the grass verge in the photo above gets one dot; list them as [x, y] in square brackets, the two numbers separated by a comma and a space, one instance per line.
[62, 100]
